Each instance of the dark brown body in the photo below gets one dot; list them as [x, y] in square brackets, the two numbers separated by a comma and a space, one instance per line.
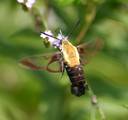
[76, 76]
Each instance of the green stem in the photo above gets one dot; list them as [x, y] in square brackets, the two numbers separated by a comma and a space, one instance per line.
[95, 106]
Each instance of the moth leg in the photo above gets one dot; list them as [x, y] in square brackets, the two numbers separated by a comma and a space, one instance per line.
[62, 68]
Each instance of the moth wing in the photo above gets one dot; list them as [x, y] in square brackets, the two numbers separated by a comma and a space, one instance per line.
[49, 62]
[90, 49]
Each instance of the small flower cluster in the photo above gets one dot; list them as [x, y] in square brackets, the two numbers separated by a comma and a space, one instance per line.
[27, 3]
[54, 41]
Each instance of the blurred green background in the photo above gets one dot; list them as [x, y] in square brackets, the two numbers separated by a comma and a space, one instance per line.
[39, 95]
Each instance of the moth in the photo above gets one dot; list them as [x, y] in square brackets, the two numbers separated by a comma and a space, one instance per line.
[69, 57]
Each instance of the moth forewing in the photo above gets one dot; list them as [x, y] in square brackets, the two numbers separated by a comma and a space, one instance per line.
[89, 49]
[49, 62]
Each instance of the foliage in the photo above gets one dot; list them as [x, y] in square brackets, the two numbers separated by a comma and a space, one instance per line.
[37, 95]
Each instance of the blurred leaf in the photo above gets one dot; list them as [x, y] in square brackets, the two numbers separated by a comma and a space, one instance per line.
[114, 71]
[64, 2]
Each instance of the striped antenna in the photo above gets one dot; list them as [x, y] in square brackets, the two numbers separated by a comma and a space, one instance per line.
[74, 28]
[49, 35]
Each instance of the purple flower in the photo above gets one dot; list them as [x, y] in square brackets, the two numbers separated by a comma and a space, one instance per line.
[27, 3]
[54, 41]
[50, 39]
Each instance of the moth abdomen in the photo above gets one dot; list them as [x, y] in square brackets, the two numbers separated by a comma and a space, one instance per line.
[76, 76]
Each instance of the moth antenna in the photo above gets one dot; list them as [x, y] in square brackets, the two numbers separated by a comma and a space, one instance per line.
[74, 28]
[61, 32]
[61, 35]
[49, 35]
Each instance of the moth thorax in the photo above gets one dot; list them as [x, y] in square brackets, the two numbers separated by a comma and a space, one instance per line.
[70, 54]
